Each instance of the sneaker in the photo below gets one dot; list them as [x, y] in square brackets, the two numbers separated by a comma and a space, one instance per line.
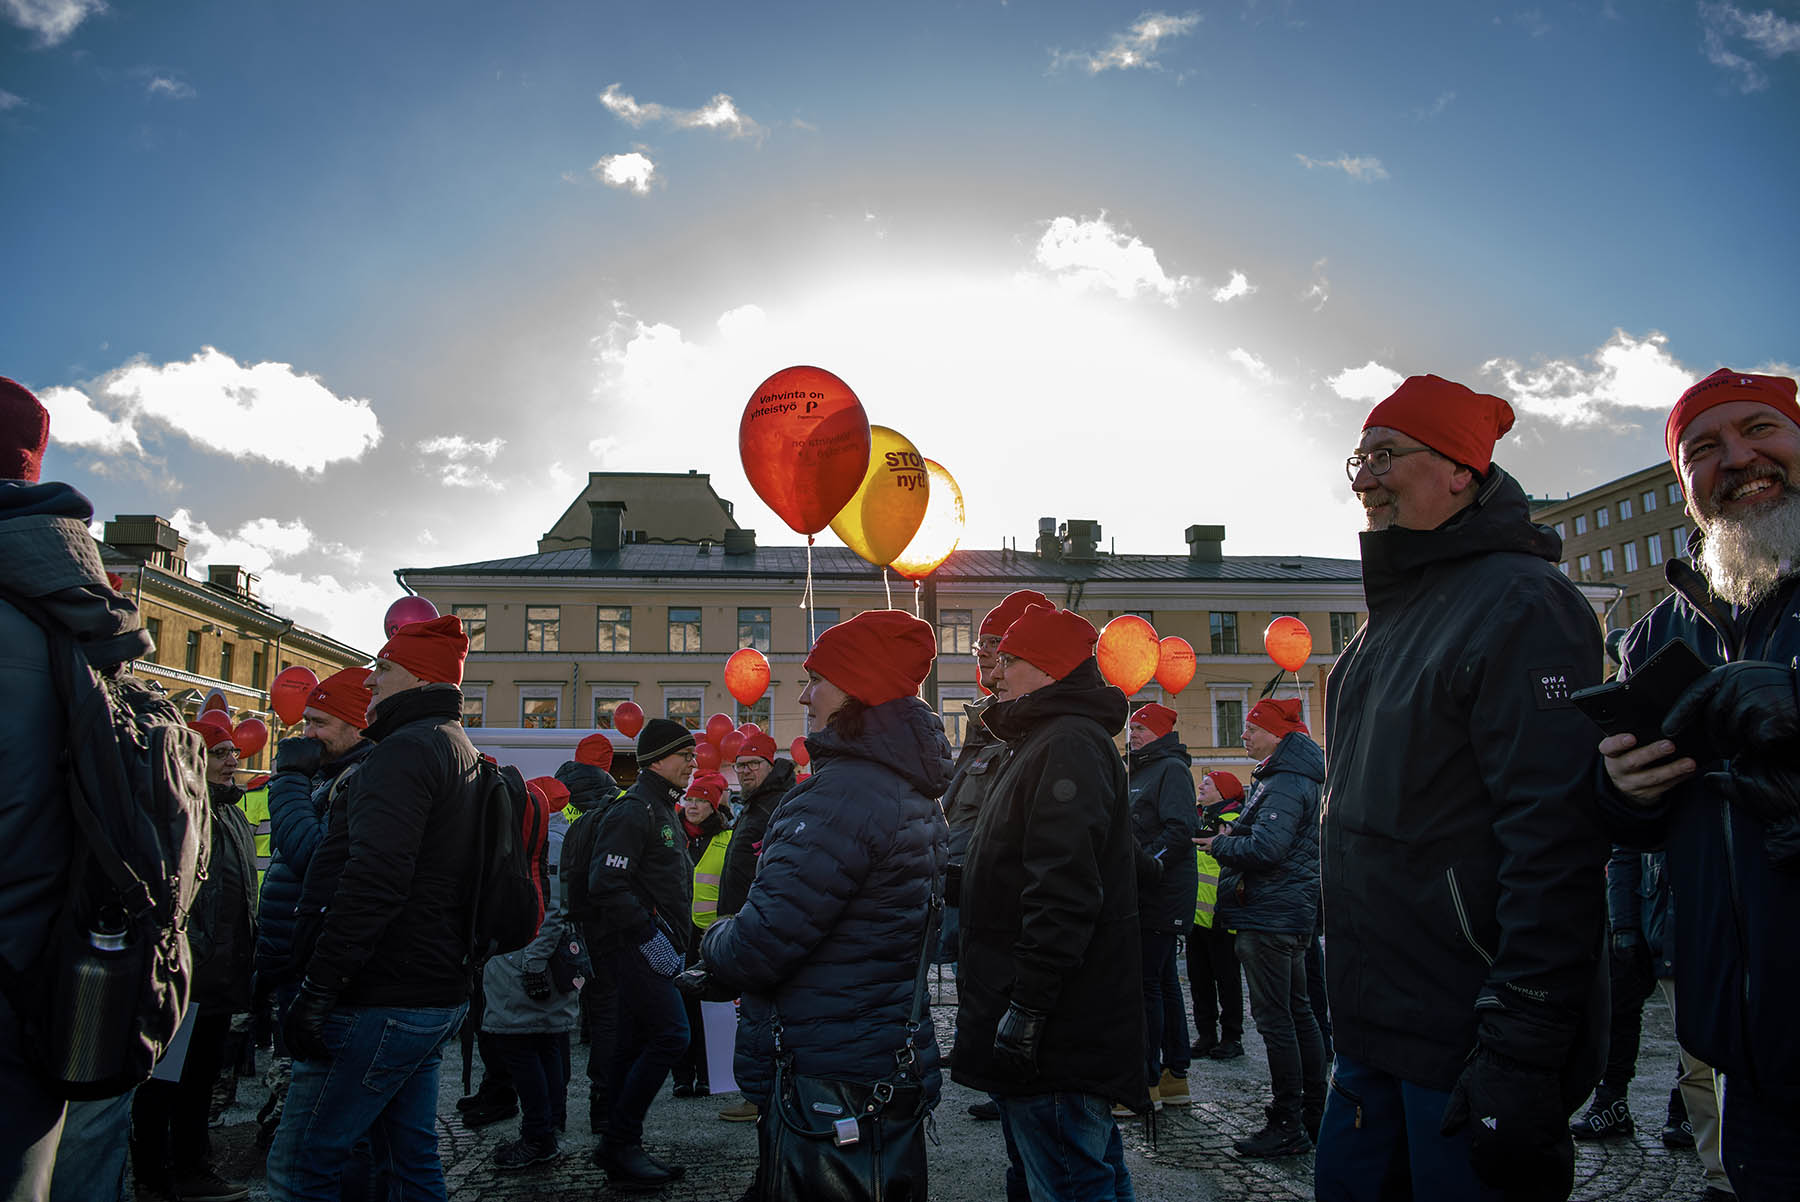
[1122, 1111]
[987, 1110]
[208, 1186]
[522, 1153]
[485, 1096]
[1228, 1049]
[1678, 1133]
[683, 1089]
[1203, 1046]
[492, 1111]
[1172, 1088]
[743, 1112]
[1279, 1137]
[1607, 1118]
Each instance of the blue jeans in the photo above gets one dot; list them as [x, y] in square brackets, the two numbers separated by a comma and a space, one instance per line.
[652, 1034]
[1063, 1147]
[381, 1081]
[1380, 1133]
[90, 1161]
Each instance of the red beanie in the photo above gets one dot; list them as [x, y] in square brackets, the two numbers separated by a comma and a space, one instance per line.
[709, 786]
[596, 750]
[1277, 717]
[876, 656]
[1055, 641]
[344, 695]
[24, 432]
[433, 651]
[760, 745]
[1158, 719]
[1777, 392]
[1008, 611]
[556, 794]
[1452, 420]
[1230, 787]
[213, 730]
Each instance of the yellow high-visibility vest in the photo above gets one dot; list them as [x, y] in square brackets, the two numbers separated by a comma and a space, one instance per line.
[706, 879]
[255, 805]
[1207, 901]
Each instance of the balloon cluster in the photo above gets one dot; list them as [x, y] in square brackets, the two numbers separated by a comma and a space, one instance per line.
[1131, 655]
[249, 736]
[720, 741]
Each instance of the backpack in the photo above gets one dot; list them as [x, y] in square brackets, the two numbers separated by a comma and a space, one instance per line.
[577, 857]
[509, 889]
[107, 994]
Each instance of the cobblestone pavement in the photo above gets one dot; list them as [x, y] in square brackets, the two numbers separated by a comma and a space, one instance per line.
[1189, 1159]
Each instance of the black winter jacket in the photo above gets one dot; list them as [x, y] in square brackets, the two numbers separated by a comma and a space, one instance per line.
[591, 791]
[298, 818]
[1050, 899]
[640, 879]
[222, 927]
[831, 932]
[754, 811]
[1463, 863]
[978, 766]
[1164, 821]
[1269, 878]
[1736, 879]
[391, 885]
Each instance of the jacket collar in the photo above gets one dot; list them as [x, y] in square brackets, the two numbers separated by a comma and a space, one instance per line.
[1498, 521]
[427, 703]
[654, 788]
[1083, 693]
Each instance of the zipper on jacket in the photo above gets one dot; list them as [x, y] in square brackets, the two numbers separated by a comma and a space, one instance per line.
[1462, 917]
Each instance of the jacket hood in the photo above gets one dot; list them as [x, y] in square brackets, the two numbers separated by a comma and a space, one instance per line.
[335, 768]
[48, 556]
[1083, 693]
[1499, 520]
[781, 778]
[1296, 753]
[587, 784]
[434, 701]
[1168, 747]
[902, 735]
[223, 795]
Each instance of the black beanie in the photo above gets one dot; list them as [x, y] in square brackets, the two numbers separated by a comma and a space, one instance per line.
[661, 737]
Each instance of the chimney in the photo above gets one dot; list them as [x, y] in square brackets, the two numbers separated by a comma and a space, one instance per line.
[1083, 540]
[740, 542]
[608, 527]
[148, 537]
[1205, 544]
[1049, 544]
[230, 578]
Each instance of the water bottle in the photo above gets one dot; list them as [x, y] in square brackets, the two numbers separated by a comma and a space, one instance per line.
[97, 998]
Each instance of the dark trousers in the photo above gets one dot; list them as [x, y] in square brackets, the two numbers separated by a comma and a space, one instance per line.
[652, 1034]
[1761, 1145]
[1216, 981]
[1176, 1056]
[168, 1118]
[1275, 970]
[534, 1061]
[1633, 981]
[600, 1014]
[1158, 949]
[1315, 989]
[691, 1068]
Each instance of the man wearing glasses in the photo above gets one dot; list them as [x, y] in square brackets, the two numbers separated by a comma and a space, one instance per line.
[1462, 860]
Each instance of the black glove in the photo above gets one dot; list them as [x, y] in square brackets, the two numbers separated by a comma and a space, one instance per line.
[953, 884]
[1016, 1042]
[1746, 706]
[1519, 1140]
[300, 755]
[700, 984]
[537, 985]
[1767, 791]
[304, 1028]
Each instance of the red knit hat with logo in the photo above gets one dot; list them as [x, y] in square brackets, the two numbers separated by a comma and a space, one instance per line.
[556, 794]
[1159, 720]
[708, 786]
[1230, 787]
[876, 656]
[1453, 420]
[343, 695]
[24, 432]
[433, 651]
[597, 750]
[1009, 609]
[1277, 717]
[760, 745]
[1054, 641]
[213, 730]
[1777, 392]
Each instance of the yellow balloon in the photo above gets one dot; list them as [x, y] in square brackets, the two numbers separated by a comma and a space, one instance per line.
[941, 531]
[889, 506]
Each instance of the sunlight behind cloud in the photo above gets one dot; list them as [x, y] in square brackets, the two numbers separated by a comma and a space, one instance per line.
[1092, 254]
[1626, 373]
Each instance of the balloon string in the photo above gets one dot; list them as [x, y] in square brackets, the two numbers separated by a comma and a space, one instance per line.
[807, 596]
[888, 586]
[918, 594]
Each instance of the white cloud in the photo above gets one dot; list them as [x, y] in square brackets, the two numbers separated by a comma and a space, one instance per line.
[254, 546]
[1132, 48]
[1624, 373]
[720, 113]
[174, 89]
[1092, 254]
[1239, 285]
[463, 460]
[1436, 107]
[51, 20]
[1364, 167]
[1766, 34]
[1254, 367]
[1532, 21]
[633, 171]
[1320, 290]
[1370, 382]
[264, 411]
[10, 100]
[744, 323]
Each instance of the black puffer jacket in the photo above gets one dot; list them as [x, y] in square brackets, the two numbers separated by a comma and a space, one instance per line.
[1050, 901]
[640, 879]
[1164, 821]
[298, 818]
[392, 882]
[222, 927]
[754, 812]
[831, 932]
[1270, 860]
[1463, 864]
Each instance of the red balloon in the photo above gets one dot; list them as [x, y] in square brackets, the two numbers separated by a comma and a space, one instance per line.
[288, 693]
[747, 675]
[804, 443]
[215, 701]
[731, 744]
[1288, 642]
[797, 749]
[749, 728]
[628, 718]
[1127, 652]
[717, 727]
[706, 757]
[251, 736]
[407, 609]
[1174, 664]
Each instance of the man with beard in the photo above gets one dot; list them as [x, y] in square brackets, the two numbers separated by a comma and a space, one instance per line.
[1727, 808]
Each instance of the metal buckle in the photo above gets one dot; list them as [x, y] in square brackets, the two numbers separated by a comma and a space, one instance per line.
[845, 1132]
[883, 1091]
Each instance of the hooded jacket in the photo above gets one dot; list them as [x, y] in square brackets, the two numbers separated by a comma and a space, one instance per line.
[830, 935]
[754, 811]
[640, 879]
[1462, 860]
[1050, 899]
[1270, 861]
[1164, 821]
[299, 813]
[222, 927]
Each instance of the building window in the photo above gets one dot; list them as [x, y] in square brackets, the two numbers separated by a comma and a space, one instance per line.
[823, 620]
[951, 700]
[1625, 509]
[1228, 722]
[682, 704]
[1649, 500]
[474, 620]
[1631, 560]
[1631, 608]
[1343, 629]
[1606, 562]
[1224, 634]
[1580, 524]
[1584, 565]
[543, 627]
[1654, 542]
[539, 708]
[474, 711]
[192, 663]
[1674, 494]
[258, 662]
[757, 713]
[956, 632]
[606, 703]
[1678, 542]
[226, 653]
[1563, 567]
[1602, 518]
[753, 629]
[154, 627]
[684, 630]
[1559, 530]
[612, 628]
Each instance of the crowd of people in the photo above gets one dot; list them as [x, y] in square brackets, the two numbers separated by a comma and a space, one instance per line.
[1448, 921]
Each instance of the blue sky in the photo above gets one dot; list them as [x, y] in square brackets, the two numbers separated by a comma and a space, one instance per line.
[358, 286]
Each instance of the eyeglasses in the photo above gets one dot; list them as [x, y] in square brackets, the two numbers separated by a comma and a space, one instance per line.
[987, 645]
[1378, 461]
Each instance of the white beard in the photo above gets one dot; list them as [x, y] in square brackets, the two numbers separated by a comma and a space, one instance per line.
[1744, 559]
